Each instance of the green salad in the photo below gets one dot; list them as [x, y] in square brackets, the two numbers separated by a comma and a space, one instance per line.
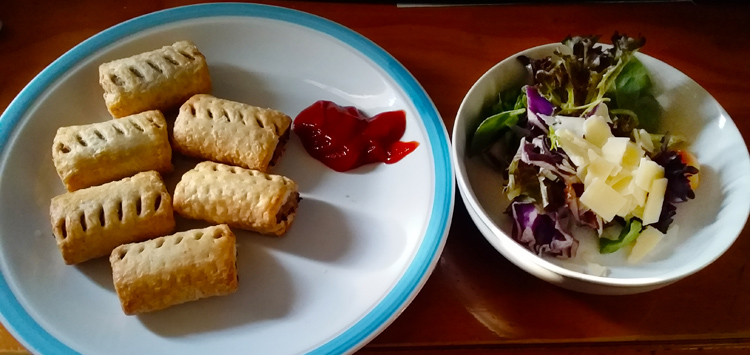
[579, 146]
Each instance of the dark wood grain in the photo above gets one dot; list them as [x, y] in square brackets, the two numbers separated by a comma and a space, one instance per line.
[476, 302]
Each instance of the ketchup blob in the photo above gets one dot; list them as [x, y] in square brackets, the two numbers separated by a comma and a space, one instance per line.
[343, 138]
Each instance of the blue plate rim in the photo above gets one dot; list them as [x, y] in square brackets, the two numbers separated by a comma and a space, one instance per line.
[35, 338]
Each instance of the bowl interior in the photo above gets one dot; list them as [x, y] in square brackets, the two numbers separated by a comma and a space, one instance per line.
[707, 225]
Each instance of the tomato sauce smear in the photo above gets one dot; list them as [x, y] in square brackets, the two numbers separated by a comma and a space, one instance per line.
[343, 138]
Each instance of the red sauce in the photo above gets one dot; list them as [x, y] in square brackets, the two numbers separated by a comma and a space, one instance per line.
[343, 138]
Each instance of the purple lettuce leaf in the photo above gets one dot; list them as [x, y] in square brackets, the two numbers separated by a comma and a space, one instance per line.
[537, 105]
[666, 217]
[538, 153]
[678, 176]
[542, 233]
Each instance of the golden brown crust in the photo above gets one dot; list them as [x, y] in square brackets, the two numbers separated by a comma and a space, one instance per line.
[241, 198]
[91, 222]
[97, 153]
[179, 268]
[230, 132]
[155, 80]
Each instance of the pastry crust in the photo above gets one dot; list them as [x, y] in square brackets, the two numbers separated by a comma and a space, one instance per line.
[178, 268]
[91, 222]
[155, 80]
[97, 153]
[230, 132]
[241, 198]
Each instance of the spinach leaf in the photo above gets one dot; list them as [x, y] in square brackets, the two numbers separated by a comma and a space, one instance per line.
[648, 111]
[633, 80]
[632, 91]
[499, 115]
[489, 130]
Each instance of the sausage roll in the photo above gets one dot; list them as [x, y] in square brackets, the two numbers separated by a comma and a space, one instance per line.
[89, 223]
[178, 268]
[231, 132]
[93, 154]
[156, 80]
[241, 198]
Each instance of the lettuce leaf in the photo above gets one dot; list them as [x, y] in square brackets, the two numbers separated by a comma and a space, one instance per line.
[491, 128]
[632, 100]
[502, 114]
[628, 235]
[542, 233]
[576, 83]
[678, 175]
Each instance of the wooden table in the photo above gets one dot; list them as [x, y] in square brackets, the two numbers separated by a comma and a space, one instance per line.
[476, 302]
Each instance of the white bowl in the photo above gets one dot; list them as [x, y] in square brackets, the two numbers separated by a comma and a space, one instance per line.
[708, 225]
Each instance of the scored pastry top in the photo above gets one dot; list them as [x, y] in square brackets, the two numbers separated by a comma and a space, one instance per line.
[148, 68]
[174, 269]
[242, 198]
[97, 153]
[85, 140]
[230, 132]
[109, 206]
[158, 79]
[207, 107]
[222, 179]
[180, 249]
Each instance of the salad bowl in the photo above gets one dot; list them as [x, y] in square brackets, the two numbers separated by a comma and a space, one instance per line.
[707, 224]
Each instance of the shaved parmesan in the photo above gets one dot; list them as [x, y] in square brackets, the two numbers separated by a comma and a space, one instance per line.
[645, 243]
[643, 139]
[623, 186]
[602, 199]
[572, 124]
[615, 148]
[639, 194]
[617, 178]
[632, 155]
[596, 130]
[637, 212]
[654, 201]
[647, 172]
[598, 166]
[627, 207]
[574, 146]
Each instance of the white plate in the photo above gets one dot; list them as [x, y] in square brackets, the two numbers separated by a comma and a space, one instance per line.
[363, 243]
[708, 225]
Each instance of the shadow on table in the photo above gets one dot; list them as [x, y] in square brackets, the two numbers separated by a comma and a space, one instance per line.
[516, 306]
